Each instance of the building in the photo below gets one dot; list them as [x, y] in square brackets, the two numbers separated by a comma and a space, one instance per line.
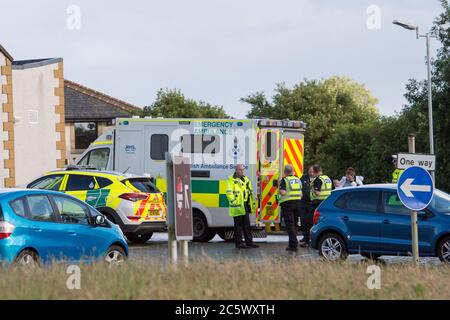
[88, 113]
[32, 100]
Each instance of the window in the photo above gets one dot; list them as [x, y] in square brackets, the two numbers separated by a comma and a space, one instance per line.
[40, 209]
[200, 143]
[103, 182]
[18, 207]
[359, 201]
[392, 204]
[85, 134]
[97, 158]
[71, 211]
[159, 145]
[440, 202]
[51, 182]
[79, 182]
[142, 184]
[271, 146]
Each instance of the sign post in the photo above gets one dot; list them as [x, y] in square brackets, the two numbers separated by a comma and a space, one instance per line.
[179, 206]
[415, 190]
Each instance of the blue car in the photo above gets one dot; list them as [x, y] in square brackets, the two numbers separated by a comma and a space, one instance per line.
[371, 220]
[39, 226]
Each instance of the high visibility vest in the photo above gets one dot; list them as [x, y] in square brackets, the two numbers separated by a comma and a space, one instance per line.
[293, 189]
[396, 175]
[325, 190]
[238, 193]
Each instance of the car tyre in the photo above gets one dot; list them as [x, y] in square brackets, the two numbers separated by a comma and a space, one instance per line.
[115, 255]
[444, 250]
[332, 247]
[138, 237]
[27, 257]
[202, 233]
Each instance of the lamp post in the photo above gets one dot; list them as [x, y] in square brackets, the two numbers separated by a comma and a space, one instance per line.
[427, 36]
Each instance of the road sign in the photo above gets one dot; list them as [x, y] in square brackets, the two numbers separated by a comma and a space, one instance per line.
[182, 198]
[424, 161]
[415, 188]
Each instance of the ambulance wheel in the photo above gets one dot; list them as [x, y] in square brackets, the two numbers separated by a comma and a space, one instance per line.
[138, 238]
[202, 233]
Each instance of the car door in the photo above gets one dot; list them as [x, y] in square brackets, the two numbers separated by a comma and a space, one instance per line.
[360, 212]
[81, 186]
[396, 227]
[46, 231]
[83, 240]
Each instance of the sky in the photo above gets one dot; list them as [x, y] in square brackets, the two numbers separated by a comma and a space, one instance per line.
[219, 51]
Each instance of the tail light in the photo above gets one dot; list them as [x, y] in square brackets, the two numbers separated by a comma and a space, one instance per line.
[133, 196]
[6, 229]
[134, 218]
[316, 216]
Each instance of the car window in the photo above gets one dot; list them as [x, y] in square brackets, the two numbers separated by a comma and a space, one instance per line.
[18, 207]
[440, 202]
[40, 208]
[392, 204]
[50, 182]
[359, 201]
[97, 158]
[71, 211]
[77, 182]
[142, 184]
[103, 182]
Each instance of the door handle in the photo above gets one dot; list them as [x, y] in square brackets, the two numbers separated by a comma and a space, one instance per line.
[345, 218]
[89, 198]
[71, 233]
[386, 221]
[36, 229]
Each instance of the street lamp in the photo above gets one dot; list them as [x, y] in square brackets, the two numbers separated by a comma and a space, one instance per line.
[427, 36]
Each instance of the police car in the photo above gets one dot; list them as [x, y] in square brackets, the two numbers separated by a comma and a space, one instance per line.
[131, 201]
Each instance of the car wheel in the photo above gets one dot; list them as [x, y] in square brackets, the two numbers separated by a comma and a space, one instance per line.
[332, 247]
[115, 256]
[444, 250]
[139, 238]
[27, 258]
[202, 233]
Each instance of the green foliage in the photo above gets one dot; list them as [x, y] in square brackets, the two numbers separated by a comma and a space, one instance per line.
[173, 104]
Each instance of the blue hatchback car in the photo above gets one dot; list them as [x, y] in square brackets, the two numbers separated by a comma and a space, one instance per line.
[37, 226]
[371, 220]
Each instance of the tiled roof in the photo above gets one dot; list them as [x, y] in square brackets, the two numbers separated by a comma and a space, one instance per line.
[83, 103]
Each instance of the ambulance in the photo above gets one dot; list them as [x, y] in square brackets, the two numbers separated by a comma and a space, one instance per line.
[214, 147]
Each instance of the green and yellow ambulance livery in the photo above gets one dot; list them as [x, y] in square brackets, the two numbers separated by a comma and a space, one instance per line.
[131, 201]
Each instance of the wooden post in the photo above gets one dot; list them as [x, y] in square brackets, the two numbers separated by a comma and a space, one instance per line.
[414, 228]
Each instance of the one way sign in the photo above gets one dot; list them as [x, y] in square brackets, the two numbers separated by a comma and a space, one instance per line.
[415, 188]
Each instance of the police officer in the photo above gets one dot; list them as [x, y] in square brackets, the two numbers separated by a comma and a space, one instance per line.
[289, 195]
[397, 172]
[241, 205]
[306, 207]
[321, 187]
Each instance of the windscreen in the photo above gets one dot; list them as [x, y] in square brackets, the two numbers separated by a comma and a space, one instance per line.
[441, 202]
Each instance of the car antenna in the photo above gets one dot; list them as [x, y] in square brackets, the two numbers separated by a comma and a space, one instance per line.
[127, 169]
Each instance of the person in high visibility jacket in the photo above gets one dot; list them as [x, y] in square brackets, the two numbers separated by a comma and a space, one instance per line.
[289, 196]
[241, 205]
[321, 187]
[396, 175]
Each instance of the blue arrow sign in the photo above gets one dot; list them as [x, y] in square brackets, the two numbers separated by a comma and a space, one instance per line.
[415, 188]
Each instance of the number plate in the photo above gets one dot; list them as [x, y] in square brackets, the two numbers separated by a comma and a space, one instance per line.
[153, 213]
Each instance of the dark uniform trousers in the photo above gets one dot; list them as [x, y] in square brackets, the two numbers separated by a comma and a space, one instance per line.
[242, 227]
[306, 218]
[290, 211]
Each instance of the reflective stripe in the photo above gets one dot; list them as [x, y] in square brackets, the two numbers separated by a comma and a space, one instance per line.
[325, 190]
[238, 193]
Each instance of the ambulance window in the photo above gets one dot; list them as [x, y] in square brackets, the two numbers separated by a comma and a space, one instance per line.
[198, 143]
[271, 145]
[51, 182]
[159, 145]
[97, 158]
[78, 182]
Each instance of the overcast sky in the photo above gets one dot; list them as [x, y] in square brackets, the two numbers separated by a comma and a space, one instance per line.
[221, 50]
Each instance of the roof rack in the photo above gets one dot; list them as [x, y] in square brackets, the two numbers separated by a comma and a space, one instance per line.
[80, 167]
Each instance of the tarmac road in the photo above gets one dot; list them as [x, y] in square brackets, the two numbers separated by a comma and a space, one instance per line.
[271, 247]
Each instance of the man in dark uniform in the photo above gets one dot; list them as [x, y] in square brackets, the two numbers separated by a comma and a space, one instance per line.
[289, 195]
[306, 208]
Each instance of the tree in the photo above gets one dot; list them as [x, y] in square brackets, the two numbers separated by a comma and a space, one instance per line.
[323, 105]
[173, 104]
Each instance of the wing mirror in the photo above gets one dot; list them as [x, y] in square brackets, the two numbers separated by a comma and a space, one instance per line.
[100, 220]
